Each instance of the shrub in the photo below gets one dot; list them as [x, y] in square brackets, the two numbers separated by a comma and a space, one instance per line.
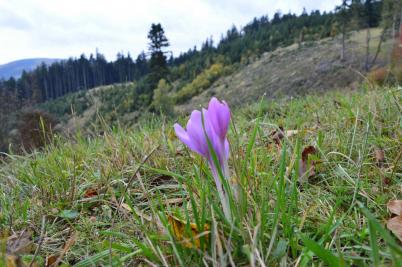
[63, 106]
[35, 129]
[397, 72]
[378, 76]
[117, 98]
[396, 61]
[161, 101]
[201, 82]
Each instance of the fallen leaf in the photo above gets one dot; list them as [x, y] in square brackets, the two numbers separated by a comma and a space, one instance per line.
[379, 156]
[50, 260]
[304, 163]
[277, 135]
[189, 240]
[395, 206]
[307, 151]
[90, 192]
[395, 226]
[387, 181]
[20, 243]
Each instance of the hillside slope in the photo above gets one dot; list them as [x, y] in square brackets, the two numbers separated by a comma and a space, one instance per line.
[292, 71]
[285, 72]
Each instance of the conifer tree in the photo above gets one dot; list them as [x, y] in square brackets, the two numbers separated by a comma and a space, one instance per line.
[158, 63]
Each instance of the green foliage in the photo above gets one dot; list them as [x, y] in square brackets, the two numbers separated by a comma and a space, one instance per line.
[162, 101]
[75, 103]
[117, 100]
[201, 82]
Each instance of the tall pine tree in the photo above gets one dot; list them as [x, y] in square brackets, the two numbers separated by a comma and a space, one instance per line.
[158, 63]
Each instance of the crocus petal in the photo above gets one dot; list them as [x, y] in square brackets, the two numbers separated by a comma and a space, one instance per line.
[219, 116]
[196, 134]
[221, 149]
[183, 136]
[216, 141]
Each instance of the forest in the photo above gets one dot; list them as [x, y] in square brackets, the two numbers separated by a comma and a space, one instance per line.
[191, 72]
[260, 35]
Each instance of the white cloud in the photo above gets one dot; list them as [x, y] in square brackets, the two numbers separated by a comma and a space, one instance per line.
[60, 29]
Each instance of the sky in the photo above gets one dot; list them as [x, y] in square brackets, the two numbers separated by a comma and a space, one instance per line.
[68, 28]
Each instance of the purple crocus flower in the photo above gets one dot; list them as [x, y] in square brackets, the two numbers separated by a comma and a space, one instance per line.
[216, 124]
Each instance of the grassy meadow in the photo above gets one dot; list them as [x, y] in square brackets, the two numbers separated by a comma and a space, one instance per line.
[314, 175]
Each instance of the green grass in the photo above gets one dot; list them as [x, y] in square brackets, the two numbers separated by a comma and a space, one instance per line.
[335, 218]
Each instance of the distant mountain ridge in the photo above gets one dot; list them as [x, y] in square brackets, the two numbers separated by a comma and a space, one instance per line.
[15, 68]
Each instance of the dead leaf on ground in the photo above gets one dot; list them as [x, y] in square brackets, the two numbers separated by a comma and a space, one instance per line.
[395, 226]
[379, 156]
[387, 181]
[20, 243]
[307, 151]
[90, 192]
[50, 260]
[189, 239]
[304, 165]
[395, 206]
[279, 134]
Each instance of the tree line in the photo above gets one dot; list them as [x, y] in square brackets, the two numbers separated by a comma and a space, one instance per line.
[60, 78]
[237, 45]
[156, 72]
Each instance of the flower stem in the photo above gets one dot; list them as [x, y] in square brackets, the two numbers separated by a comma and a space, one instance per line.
[222, 194]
